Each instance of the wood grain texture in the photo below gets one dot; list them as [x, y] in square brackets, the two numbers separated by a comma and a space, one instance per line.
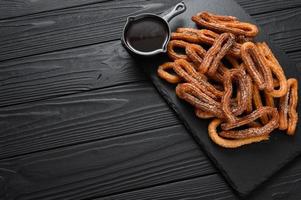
[66, 72]
[284, 186]
[284, 28]
[131, 165]
[296, 56]
[81, 118]
[104, 167]
[280, 20]
[256, 7]
[72, 27]
[147, 165]
[96, 66]
[211, 187]
[15, 8]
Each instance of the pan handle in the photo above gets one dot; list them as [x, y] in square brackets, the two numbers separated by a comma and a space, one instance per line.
[178, 9]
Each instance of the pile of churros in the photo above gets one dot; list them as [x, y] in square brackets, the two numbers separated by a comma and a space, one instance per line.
[229, 78]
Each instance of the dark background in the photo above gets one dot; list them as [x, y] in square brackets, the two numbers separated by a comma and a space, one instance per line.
[78, 120]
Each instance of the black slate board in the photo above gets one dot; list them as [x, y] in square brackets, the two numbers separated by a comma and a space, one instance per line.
[249, 166]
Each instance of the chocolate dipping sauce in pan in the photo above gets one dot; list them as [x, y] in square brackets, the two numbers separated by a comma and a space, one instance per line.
[148, 34]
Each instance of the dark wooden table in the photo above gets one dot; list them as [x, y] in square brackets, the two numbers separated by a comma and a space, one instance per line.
[78, 120]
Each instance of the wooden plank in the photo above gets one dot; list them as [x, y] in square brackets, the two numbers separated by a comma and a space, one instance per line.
[96, 66]
[66, 72]
[72, 27]
[104, 167]
[155, 164]
[285, 185]
[83, 117]
[256, 7]
[283, 27]
[205, 188]
[113, 191]
[15, 8]
[280, 21]
[296, 56]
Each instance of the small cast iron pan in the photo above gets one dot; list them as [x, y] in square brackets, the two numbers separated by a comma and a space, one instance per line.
[148, 34]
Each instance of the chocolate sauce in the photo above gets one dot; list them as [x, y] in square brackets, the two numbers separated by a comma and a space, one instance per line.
[146, 35]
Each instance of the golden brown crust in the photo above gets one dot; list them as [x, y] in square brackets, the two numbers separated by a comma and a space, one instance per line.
[164, 74]
[186, 36]
[249, 108]
[259, 104]
[275, 68]
[185, 70]
[213, 57]
[223, 24]
[288, 108]
[202, 114]
[195, 53]
[229, 143]
[232, 79]
[202, 36]
[256, 67]
[193, 95]
[240, 77]
[266, 129]
[171, 49]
